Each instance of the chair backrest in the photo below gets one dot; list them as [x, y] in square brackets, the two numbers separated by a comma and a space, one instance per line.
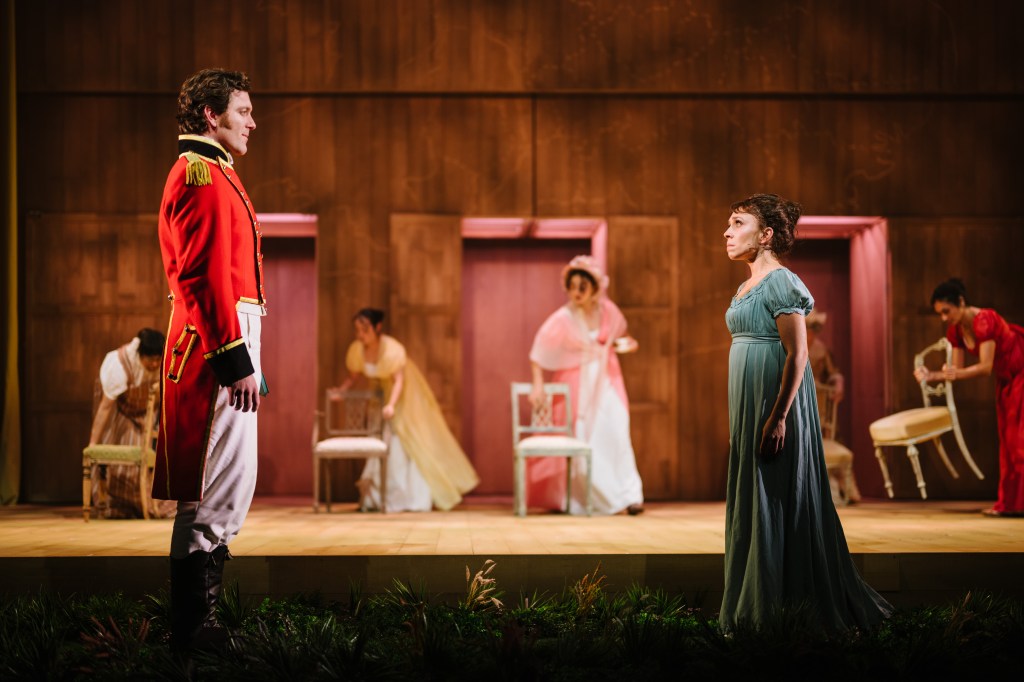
[151, 423]
[943, 388]
[828, 409]
[353, 413]
[541, 419]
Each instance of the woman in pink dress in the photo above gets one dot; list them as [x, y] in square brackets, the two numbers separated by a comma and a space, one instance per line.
[999, 347]
[578, 345]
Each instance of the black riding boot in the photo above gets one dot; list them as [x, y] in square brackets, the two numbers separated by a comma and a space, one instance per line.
[195, 587]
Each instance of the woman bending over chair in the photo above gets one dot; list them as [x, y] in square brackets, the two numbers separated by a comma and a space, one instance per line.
[999, 347]
[426, 465]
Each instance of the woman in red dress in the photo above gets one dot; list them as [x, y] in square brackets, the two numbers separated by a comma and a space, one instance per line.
[999, 347]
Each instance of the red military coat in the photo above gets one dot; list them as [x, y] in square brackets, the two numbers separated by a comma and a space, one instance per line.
[210, 244]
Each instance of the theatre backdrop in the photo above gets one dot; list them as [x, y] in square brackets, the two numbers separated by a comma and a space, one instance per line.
[387, 131]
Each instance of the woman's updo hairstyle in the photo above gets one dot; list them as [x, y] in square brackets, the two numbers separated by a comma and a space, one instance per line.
[773, 211]
[375, 316]
[950, 291]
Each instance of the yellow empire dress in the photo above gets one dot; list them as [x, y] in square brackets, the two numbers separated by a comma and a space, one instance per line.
[418, 426]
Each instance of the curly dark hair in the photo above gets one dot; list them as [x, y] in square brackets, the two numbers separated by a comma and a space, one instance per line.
[207, 88]
[773, 211]
[950, 291]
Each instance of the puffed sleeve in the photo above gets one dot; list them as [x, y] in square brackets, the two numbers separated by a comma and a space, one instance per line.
[786, 294]
[354, 361]
[985, 324]
[112, 377]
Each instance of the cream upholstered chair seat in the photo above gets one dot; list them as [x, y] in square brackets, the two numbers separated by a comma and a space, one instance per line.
[543, 438]
[910, 427]
[912, 423]
[348, 444]
[550, 443]
[354, 426]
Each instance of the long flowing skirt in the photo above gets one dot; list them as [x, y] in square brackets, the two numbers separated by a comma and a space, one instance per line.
[407, 489]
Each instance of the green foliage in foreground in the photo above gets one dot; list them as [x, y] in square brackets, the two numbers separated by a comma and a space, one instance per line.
[587, 633]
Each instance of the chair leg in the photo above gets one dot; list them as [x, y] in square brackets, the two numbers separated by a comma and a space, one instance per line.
[316, 485]
[915, 462]
[589, 486]
[852, 491]
[568, 485]
[965, 452]
[86, 490]
[880, 456]
[945, 459]
[519, 485]
[143, 484]
[384, 484]
[838, 498]
[327, 484]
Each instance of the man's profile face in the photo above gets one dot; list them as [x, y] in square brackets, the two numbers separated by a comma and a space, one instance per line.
[231, 129]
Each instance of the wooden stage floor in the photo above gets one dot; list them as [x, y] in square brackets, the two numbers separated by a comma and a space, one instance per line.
[912, 551]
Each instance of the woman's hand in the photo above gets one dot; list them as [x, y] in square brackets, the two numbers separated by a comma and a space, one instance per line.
[537, 397]
[922, 373]
[625, 344]
[949, 372]
[773, 436]
[388, 412]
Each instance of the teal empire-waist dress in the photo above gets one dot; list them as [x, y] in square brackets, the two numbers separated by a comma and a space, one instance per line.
[784, 544]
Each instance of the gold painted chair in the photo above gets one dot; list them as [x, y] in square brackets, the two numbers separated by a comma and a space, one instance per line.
[143, 456]
[542, 438]
[838, 457]
[910, 427]
[354, 427]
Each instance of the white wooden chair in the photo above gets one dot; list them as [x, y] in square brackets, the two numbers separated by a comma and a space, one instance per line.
[354, 427]
[910, 427]
[142, 456]
[838, 457]
[542, 438]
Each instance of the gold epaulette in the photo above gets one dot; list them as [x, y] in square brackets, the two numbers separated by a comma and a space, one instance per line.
[197, 172]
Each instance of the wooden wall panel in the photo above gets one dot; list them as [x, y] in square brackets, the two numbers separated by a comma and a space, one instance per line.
[93, 282]
[708, 46]
[643, 267]
[364, 109]
[426, 298]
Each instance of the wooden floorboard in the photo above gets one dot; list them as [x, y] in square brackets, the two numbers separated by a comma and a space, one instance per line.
[911, 551]
[288, 527]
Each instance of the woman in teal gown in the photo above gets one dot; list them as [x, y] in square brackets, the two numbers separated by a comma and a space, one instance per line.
[784, 545]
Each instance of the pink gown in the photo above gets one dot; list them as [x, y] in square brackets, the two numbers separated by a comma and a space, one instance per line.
[1008, 368]
[584, 360]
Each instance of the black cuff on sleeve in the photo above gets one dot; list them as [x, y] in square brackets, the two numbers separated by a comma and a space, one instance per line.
[232, 365]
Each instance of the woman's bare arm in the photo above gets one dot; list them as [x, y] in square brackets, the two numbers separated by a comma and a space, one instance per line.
[793, 333]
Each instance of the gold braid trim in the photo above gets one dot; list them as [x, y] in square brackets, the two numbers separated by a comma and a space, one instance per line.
[197, 172]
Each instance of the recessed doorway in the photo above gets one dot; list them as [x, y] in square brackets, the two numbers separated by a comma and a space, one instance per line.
[509, 287]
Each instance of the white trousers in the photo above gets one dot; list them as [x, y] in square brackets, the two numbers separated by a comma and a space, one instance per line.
[230, 478]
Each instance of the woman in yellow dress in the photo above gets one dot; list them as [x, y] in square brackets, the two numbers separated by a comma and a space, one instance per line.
[426, 465]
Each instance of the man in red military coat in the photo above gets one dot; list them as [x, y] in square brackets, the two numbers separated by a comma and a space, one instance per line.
[206, 446]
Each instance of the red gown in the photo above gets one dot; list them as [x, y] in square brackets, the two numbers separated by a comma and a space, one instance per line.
[1008, 368]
